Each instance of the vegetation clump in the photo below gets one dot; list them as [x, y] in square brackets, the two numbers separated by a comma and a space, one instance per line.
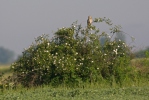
[75, 55]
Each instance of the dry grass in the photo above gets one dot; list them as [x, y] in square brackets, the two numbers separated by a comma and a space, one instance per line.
[5, 69]
[142, 65]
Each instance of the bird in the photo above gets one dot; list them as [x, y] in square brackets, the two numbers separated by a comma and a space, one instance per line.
[89, 21]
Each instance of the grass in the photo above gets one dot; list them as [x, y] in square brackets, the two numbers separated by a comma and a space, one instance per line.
[142, 65]
[5, 69]
[49, 93]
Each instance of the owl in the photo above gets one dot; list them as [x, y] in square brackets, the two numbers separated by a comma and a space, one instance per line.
[89, 21]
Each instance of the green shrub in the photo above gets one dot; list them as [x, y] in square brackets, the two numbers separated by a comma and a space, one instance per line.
[73, 56]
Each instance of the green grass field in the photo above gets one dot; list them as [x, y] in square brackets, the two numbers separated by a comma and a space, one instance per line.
[48, 93]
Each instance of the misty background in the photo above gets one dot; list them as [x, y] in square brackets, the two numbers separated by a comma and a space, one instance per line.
[23, 20]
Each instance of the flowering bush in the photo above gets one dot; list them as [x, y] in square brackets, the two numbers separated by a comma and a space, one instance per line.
[74, 55]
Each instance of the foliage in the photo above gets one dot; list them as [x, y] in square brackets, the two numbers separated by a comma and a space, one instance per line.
[6, 56]
[74, 55]
[6, 78]
[142, 65]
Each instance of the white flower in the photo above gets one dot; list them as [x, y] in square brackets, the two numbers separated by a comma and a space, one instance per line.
[48, 44]
[54, 56]
[46, 51]
[92, 61]
[54, 62]
[74, 58]
[115, 51]
[76, 53]
[118, 46]
[105, 54]
[97, 68]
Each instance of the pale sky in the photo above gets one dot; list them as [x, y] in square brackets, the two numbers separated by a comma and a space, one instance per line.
[23, 20]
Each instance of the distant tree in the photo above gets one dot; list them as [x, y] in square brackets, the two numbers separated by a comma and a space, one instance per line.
[141, 53]
[6, 56]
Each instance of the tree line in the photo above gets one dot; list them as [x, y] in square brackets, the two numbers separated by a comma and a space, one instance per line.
[6, 55]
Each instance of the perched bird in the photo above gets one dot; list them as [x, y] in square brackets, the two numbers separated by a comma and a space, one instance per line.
[89, 21]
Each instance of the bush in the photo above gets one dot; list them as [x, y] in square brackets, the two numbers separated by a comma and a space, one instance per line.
[74, 55]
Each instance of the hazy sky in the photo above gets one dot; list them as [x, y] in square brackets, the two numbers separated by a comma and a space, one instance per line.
[23, 20]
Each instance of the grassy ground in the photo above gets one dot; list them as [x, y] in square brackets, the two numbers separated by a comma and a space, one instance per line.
[48, 93]
[5, 70]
